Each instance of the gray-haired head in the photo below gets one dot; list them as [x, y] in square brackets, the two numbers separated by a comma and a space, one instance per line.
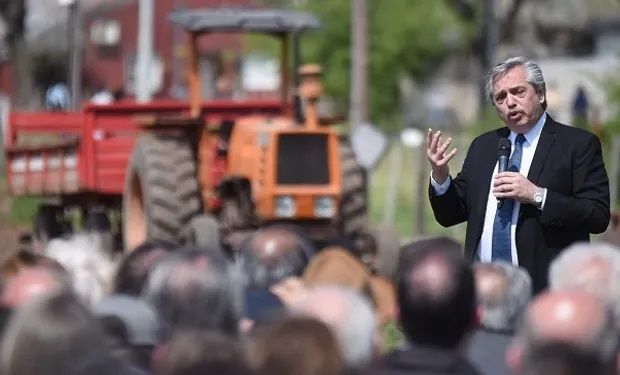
[590, 267]
[350, 316]
[196, 289]
[533, 75]
[503, 292]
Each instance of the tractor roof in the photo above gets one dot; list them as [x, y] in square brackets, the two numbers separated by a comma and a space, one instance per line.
[244, 20]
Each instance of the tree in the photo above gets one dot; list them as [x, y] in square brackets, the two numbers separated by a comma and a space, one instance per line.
[406, 37]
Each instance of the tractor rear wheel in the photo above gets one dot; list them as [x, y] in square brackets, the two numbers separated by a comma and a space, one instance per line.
[352, 218]
[161, 190]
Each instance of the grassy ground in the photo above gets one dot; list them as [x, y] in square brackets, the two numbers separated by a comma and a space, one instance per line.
[411, 192]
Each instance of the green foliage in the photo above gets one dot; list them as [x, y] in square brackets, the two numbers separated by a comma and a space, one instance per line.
[406, 37]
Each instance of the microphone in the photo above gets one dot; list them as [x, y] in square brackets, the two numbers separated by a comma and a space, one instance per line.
[503, 154]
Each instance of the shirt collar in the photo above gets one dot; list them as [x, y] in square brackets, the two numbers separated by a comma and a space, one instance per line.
[533, 133]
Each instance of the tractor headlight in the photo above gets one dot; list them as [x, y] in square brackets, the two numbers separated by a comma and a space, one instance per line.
[285, 206]
[324, 207]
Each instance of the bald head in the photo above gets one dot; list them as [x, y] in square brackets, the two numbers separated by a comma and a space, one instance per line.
[570, 317]
[272, 254]
[28, 284]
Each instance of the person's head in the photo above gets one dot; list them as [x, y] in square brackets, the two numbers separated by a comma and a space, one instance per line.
[503, 292]
[135, 267]
[349, 315]
[296, 346]
[89, 266]
[54, 334]
[30, 283]
[590, 267]
[196, 289]
[24, 259]
[563, 359]
[273, 254]
[200, 352]
[410, 249]
[131, 327]
[570, 317]
[436, 296]
[517, 89]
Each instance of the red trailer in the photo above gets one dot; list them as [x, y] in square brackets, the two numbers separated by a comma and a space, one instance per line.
[175, 170]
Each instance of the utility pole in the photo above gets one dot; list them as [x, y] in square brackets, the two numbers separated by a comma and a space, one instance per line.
[359, 62]
[144, 57]
[74, 38]
[491, 41]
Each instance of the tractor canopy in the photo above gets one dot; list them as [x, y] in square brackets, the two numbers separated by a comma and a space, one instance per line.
[244, 20]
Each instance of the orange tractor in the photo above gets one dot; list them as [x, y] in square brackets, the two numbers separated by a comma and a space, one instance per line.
[192, 172]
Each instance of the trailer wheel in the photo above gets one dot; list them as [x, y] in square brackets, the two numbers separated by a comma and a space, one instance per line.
[161, 190]
[352, 218]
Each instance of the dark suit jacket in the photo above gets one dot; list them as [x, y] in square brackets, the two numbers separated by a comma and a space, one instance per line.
[487, 351]
[421, 360]
[568, 162]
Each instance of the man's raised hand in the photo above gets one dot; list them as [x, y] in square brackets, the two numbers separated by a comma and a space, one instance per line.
[436, 149]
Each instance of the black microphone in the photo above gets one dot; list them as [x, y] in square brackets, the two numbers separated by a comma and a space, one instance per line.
[503, 154]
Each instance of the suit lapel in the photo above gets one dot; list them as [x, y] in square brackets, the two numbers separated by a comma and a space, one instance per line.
[547, 137]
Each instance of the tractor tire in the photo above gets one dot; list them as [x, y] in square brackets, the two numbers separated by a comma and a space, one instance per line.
[352, 219]
[161, 190]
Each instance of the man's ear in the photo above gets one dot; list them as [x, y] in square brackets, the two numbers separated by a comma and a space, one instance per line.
[514, 358]
[541, 99]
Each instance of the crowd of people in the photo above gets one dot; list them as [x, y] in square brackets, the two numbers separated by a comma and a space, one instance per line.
[525, 294]
[280, 306]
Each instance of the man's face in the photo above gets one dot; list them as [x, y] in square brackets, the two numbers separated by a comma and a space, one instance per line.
[517, 103]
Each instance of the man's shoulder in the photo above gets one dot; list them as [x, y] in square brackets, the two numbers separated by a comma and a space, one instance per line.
[570, 132]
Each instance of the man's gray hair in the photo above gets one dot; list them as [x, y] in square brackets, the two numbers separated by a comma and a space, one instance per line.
[196, 289]
[533, 75]
[350, 316]
[590, 267]
[502, 312]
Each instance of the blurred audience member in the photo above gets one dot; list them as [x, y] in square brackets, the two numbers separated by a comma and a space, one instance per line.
[503, 292]
[564, 359]
[408, 250]
[351, 318]
[195, 289]
[572, 317]
[55, 334]
[296, 346]
[273, 254]
[436, 296]
[89, 266]
[30, 283]
[591, 267]
[132, 329]
[337, 266]
[24, 259]
[198, 352]
[135, 267]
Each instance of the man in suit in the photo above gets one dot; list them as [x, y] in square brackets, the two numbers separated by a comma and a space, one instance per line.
[554, 193]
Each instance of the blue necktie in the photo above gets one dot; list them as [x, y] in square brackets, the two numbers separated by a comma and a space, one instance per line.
[503, 216]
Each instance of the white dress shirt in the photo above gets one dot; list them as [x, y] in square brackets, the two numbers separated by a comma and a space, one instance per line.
[484, 250]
